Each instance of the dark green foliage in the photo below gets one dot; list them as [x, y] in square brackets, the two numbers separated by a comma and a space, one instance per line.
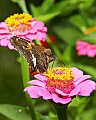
[67, 20]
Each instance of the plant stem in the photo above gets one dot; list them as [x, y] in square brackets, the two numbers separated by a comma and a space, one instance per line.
[61, 110]
[62, 113]
[54, 48]
[22, 5]
[25, 76]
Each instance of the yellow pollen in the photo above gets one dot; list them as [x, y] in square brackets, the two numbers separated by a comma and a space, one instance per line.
[19, 20]
[60, 73]
[90, 30]
[59, 78]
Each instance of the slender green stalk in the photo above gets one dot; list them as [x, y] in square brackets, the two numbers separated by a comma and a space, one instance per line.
[61, 110]
[54, 48]
[62, 113]
[25, 76]
[22, 5]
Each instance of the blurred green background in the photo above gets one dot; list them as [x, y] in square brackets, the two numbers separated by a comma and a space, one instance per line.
[11, 88]
[67, 20]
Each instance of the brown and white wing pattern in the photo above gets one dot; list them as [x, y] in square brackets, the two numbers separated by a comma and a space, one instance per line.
[21, 46]
[37, 56]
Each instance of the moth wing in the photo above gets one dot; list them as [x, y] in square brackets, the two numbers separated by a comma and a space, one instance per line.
[21, 45]
[30, 59]
[42, 64]
[41, 58]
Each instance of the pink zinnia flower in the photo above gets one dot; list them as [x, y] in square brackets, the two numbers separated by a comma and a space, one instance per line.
[61, 85]
[21, 25]
[85, 48]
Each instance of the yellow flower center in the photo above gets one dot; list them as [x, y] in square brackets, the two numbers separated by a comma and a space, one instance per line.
[59, 78]
[90, 30]
[19, 22]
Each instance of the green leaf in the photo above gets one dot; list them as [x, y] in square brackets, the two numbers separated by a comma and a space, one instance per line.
[86, 4]
[65, 6]
[38, 116]
[67, 33]
[89, 38]
[67, 53]
[41, 10]
[48, 10]
[48, 118]
[87, 115]
[47, 17]
[36, 11]
[79, 22]
[25, 76]
[16, 1]
[22, 5]
[46, 5]
[92, 22]
[14, 112]
[24, 66]
[74, 102]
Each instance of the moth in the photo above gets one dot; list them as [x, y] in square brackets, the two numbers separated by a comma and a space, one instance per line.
[36, 55]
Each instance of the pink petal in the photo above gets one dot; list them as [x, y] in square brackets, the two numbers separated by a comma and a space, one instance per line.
[33, 91]
[82, 52]
[23, 36]
[84, 88]
[3, 31]
[33, 22]
[4, 42]
[7, 36]
[82, 78]
[81, 43]
[77, 72]
[40, 77]
[63, 100]
[78, 47]
[75, 91]
[45, 94]
[3, 25]
[10, 46]
[37, 82]
[61, 93]
[90, 53]
[87, 87]
[86, 92]
[39, 35]
[44, 29]
[39, 25]
[31, 36]
[27, 88]
[44, 36]
[23, 33]
[33, 31]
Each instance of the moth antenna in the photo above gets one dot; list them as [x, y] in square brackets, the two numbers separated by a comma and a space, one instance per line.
[55, 58]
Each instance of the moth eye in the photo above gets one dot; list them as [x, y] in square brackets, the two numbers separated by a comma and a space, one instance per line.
[48, 52]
